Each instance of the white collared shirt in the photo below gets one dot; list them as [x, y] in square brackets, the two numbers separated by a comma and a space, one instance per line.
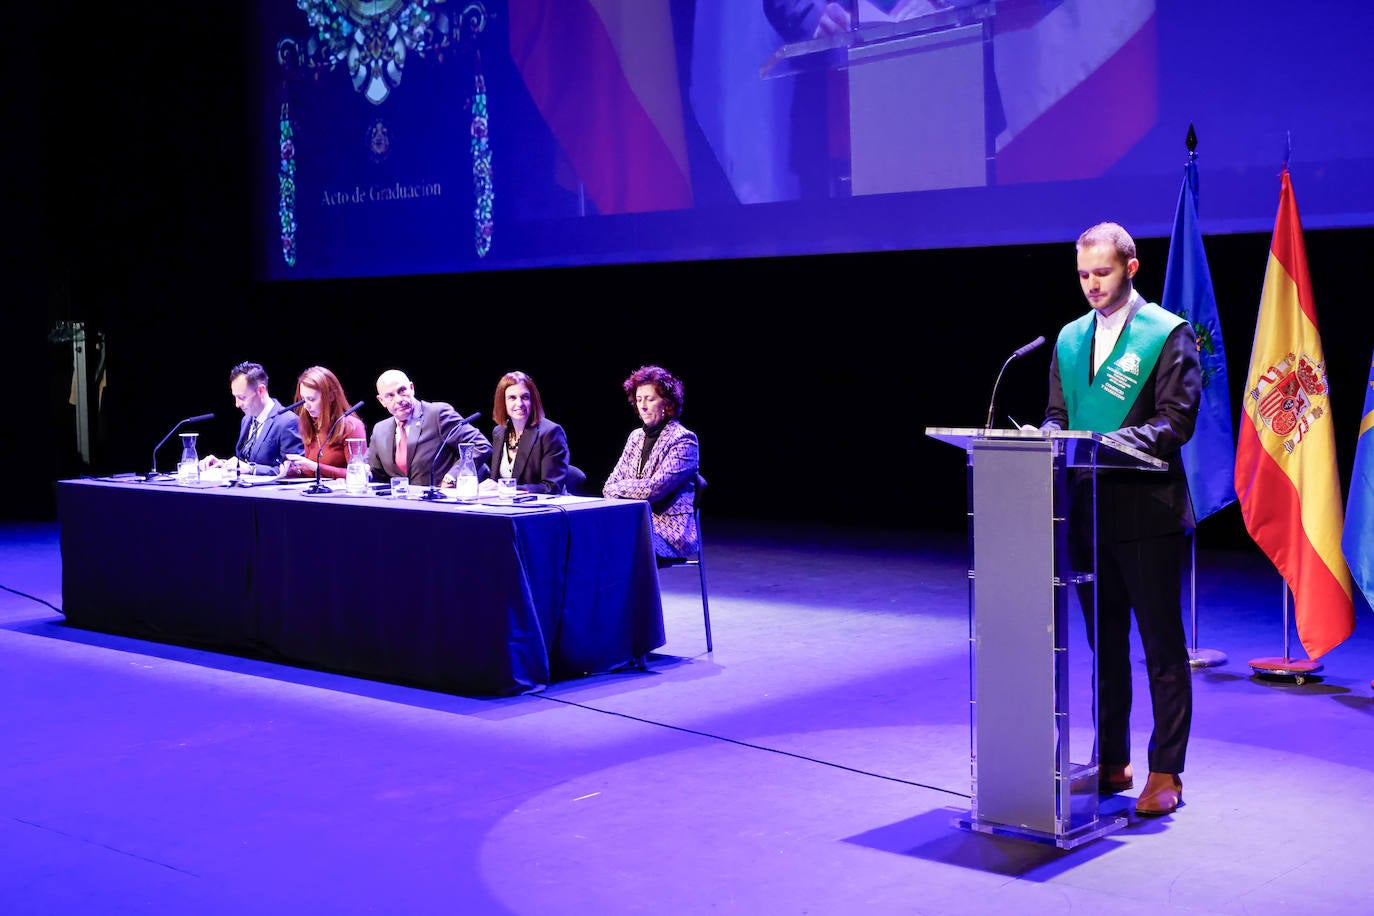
[1108, 330]
[268, 406]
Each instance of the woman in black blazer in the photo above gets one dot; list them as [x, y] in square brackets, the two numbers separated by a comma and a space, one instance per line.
[525, 444]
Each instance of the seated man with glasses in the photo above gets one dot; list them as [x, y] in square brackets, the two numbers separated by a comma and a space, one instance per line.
[407, 443]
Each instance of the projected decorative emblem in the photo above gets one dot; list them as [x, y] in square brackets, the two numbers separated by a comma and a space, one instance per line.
[373, 38]
[286, 187]
[481, 170]
[378, 140]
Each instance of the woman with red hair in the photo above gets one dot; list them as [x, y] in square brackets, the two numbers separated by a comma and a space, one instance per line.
[323, 403]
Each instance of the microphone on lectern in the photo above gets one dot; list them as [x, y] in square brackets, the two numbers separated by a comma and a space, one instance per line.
[197, 419]
[434, 492]
[316, 488]
[1017, 354]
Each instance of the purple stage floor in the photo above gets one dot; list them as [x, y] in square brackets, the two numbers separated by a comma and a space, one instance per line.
[814, 763]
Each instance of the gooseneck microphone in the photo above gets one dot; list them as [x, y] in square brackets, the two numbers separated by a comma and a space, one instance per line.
[1017, 354]
[434, 492]
[198, 419]
[290, 407]
[316, 488]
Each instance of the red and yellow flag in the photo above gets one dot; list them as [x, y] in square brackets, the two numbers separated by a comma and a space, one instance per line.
[1286, 473]
[604, 76]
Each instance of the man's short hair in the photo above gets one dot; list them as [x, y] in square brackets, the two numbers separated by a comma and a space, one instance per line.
[255, 374]
[1113, 234]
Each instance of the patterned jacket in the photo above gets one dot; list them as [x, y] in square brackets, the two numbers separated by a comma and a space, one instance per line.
[668, 482]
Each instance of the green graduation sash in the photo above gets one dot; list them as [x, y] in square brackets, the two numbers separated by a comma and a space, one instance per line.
[1102, 404]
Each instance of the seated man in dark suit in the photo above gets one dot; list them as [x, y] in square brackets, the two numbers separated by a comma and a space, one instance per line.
[269, 432]
[406, 444]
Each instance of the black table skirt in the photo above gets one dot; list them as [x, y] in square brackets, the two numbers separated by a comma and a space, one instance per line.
[483, 601]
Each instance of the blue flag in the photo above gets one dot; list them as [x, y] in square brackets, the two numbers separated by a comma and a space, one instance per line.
[1357, 542]
[1209, 458]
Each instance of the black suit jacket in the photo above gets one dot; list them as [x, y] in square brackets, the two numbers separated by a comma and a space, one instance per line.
[437, 423]
[1135, 504]
[541, 461]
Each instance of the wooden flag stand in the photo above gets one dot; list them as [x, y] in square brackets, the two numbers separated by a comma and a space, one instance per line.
[1199, 658]
[1299, 669]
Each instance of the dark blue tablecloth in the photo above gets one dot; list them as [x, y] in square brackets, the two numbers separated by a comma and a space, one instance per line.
[482, 601]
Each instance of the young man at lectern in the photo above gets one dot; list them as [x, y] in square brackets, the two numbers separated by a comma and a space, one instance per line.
[1129, 369]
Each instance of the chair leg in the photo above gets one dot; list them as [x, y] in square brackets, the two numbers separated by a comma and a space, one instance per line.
[705, 601]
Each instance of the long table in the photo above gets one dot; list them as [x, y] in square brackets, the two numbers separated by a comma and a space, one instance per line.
[482, 600]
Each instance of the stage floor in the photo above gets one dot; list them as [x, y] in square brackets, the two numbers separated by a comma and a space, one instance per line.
[814, 763]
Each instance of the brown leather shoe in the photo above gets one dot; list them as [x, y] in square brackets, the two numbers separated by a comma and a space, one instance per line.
[1110, 780]
[1113, 779]
[1163, 794]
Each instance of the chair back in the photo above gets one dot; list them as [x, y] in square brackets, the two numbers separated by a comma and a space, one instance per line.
[576, 481]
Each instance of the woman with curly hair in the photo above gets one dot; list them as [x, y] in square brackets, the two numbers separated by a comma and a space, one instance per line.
[659, 463]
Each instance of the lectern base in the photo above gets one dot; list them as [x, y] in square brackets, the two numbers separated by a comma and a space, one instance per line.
[1076, 837]
[1297, 668]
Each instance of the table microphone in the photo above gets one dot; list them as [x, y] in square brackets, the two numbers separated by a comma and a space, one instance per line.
[1020, 352]
[290, 407]
[316, 488]
[434, 492]
[200, 419]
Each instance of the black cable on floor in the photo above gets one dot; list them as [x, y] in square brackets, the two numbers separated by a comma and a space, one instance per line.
[757, 747]
[16, 591]
[677, 728]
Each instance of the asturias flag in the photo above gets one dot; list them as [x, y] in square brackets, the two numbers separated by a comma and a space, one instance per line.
[1210, 455]
[1358, 539]
[1286, 473]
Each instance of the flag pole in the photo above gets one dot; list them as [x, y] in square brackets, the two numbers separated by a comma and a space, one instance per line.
[1297, 668]
[1188, 292]
[1286, 470]
[1199, 658]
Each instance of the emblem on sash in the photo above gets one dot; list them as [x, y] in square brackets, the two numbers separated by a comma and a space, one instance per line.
[1130, 362]
[1291, 398]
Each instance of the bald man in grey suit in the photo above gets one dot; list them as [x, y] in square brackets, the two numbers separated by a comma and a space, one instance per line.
[426, 425]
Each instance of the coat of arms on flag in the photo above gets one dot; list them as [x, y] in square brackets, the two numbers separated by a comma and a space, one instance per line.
[1291, 398]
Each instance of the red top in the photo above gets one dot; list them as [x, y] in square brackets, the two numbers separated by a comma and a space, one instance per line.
[335, 461]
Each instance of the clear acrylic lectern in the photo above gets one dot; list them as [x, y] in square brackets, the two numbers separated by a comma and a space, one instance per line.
[922, 110]
[1024, 783]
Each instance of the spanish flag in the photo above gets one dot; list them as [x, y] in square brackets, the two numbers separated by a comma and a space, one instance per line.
[604, 75]
[1286, 474]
